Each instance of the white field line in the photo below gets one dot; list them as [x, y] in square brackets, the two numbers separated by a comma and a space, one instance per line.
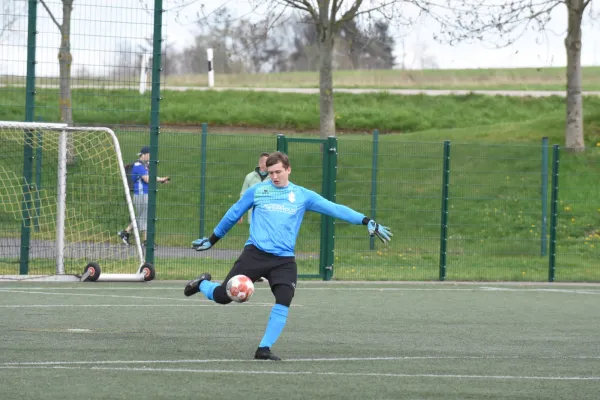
[295, 360]
[125, 305]
[352, 374]
[96, 295]
[301, 289]
[195, 300]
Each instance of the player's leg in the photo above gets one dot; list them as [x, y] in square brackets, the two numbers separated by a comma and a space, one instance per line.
[250, 263]
[283, 285]
[143, 218]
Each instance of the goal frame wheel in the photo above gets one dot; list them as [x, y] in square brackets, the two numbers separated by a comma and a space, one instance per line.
[93, 271]
[148, 271]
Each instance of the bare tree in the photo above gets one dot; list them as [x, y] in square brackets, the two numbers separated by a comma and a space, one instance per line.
[499, 21]
[11, 11]
[506, 21]
[65, 61]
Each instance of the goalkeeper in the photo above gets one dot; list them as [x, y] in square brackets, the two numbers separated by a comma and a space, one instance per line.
[279, 206]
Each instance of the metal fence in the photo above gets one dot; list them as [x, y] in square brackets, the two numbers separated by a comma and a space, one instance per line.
[458, 211]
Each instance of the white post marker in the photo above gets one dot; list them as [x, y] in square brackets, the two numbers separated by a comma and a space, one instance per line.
[211, 72]
[144, 72]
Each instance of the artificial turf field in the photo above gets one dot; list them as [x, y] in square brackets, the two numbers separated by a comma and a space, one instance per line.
[342, 341]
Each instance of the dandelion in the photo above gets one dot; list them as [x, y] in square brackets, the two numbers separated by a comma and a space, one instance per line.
[568, 208]
[572, 219]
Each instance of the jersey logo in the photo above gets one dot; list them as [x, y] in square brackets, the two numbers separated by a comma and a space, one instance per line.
[292, 197]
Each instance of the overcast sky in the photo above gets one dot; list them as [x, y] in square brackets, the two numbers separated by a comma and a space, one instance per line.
[99, 30]
[531, 50]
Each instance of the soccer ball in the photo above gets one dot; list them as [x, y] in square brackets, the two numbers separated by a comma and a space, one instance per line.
[240, 288]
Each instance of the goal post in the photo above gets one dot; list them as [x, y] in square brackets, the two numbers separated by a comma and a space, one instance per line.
[73, 208]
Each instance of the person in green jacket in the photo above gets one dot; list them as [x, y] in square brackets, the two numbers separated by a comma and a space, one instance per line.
[257, 176]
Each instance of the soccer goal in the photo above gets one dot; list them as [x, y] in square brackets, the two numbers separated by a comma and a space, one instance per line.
[66, 188]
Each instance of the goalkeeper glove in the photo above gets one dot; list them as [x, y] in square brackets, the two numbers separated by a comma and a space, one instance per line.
[382, 232]
[201, 244]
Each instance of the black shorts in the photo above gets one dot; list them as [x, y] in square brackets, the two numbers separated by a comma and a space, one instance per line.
[255, 263]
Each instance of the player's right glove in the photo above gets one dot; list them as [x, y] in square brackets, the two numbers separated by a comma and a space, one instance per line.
[201, 244]
[382, 232]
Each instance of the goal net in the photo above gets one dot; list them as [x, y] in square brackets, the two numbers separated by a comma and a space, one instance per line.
[67, 188]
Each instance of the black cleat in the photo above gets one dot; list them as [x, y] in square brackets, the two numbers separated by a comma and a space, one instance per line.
[264, 353]
[124, 237]
[193, 287]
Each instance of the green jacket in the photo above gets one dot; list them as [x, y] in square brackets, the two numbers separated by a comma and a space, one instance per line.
[250, 180]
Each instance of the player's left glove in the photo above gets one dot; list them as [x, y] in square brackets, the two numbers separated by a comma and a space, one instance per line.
[382, 232]
[201, 244]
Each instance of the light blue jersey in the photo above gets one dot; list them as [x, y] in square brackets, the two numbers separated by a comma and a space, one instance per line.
[277, 215]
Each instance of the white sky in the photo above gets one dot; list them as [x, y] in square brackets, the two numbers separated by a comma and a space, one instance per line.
[104, 27]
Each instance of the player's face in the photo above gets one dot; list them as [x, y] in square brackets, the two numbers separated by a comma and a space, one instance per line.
[279, 174]
[262, 163]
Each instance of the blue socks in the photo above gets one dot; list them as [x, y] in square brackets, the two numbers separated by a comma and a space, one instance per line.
[207, 288]
[275, 326]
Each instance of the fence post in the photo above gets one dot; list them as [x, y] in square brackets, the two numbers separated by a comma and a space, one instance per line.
[211, 72]
[204, 140]
[553, 213]
[544, 224]
[444, 216]
[374, 182]
[329, 191]
[28, 134]
[282, 144]
[154, 128]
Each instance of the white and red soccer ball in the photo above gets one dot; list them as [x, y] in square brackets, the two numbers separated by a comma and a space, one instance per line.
[240, 288]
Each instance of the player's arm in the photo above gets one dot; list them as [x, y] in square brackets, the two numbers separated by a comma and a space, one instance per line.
[141, 172]
[318, 203]
[230, 218]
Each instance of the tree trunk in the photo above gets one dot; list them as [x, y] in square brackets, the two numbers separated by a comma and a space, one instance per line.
[327, 121]
[65, 60]
[574, 122]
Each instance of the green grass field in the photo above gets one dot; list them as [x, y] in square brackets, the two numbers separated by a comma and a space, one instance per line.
[357, 341]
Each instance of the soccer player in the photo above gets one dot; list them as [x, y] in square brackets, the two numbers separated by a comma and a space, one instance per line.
[140, 194]
[279, 206]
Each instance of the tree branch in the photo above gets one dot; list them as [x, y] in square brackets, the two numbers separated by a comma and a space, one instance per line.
[335, 7]
[352, 12]
[51, 15]
[303, 5]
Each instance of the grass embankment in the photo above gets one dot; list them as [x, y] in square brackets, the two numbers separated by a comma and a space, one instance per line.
[485, 79]
[494, 203]
[286, 111]
[551, 78]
